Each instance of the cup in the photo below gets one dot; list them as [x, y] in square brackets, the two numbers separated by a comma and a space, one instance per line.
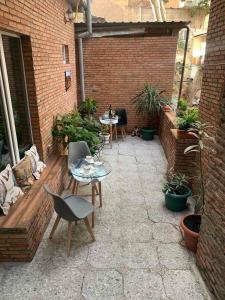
[87, 169]
[89, 158]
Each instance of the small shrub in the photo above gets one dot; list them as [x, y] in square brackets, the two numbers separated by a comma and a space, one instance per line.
[189, 117]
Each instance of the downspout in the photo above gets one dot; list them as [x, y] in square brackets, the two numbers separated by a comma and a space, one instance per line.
[184, 62]
[81, 36]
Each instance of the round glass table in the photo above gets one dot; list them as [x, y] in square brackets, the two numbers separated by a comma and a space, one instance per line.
[110, 122]
[94, 173]
[90, 171]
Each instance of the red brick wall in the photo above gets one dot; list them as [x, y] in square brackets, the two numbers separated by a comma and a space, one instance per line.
[174, 147]
[42, 23]
[211, 246]
[117, 68]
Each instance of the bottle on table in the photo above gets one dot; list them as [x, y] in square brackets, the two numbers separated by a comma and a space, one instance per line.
[110, 112]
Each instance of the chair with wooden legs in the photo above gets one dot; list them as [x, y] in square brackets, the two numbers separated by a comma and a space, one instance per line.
[72, 209]
[122, 121]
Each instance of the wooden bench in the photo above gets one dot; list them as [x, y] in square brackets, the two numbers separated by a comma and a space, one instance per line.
[21, 231]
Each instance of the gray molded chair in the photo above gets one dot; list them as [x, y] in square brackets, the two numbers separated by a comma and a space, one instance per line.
[78, 150]
[72, 209]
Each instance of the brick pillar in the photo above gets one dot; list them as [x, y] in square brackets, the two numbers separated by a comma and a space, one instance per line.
[211, 246]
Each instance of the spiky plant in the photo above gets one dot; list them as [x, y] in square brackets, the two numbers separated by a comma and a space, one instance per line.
[149, 101]
[199, 131]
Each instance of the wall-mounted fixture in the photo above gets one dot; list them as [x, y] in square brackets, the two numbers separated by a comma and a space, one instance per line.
[68, 80]
[69, 16]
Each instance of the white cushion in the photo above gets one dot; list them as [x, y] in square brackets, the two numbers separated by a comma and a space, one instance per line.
[9, 191]
[37, 165]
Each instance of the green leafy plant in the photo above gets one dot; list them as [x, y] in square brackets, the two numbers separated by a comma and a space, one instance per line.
[199, 131]
[91, 125]
[76, 134]
[189, 117]
[182, 106]
[88, 107]
[104, 129]
[72, 128]
[149, 101]
[203, 5]
[177, 184]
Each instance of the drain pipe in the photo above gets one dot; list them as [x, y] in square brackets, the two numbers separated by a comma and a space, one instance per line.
[82, 36]
[184, 62]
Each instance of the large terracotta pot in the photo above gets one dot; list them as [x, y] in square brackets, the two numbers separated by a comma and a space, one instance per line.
[190, 236]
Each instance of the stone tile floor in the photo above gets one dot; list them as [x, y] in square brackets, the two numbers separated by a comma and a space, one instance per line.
[137, 253]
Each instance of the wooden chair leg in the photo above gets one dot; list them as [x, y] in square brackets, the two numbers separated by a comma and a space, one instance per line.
[121, 128]
[54, 227]
[74, 186]
[115, 131]
[96, 190]
[100, 192]
[69, 185]
[69, 238]
[89, 228]
[77, 187]
[93, 203]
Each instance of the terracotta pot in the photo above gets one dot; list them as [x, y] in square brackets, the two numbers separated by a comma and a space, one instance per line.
[166, 108]
[190, 236]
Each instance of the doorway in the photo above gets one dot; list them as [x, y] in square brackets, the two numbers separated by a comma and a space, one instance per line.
[15, 125]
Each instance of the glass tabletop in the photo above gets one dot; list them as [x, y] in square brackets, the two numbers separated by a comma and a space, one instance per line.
[81, 168]
[108, 121]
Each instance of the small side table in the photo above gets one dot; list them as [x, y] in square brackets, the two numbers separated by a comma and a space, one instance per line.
[110, 122]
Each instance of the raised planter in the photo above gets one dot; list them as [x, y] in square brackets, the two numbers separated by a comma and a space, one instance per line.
[190, 225]
[177, 202]
[182, 134]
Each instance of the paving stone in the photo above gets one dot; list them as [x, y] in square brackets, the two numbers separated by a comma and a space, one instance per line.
[105, 255]
[166, 233]
[131, 214]
[143, 284]
[138, 232]
[103, 284]
[139, 255]
[182, 284]
[174, 256]
[161, 214]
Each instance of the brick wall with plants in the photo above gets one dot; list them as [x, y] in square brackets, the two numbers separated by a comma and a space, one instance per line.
[211, 246]
[174, 143]
[44, 32]
[117, 68]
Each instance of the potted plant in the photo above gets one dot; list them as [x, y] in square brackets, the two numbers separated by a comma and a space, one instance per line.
[191, 223]
[87, 108]
[176, 192]
[185, 122]
[104, 133]
[149, 102]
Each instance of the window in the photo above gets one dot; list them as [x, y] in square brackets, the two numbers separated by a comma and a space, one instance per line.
[65, 52]
[15, 128]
